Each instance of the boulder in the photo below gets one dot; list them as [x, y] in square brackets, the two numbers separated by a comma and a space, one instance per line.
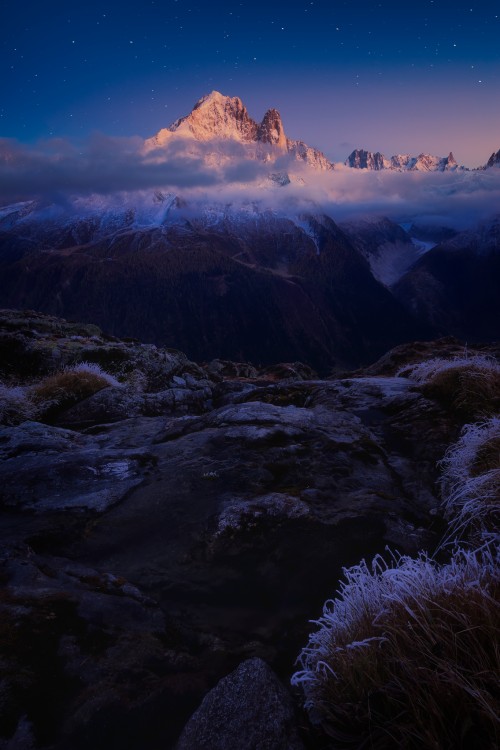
[249, 710]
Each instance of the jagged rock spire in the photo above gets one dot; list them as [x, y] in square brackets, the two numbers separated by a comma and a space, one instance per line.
[271, 130]
[494, 160]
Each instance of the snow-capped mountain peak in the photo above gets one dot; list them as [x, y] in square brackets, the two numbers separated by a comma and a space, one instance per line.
[360, 159]
[218, 117]
[213, 116]
[429, 163]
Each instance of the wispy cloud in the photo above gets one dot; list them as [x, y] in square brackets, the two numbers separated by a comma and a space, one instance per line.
[101, 165]
[221, 172]
[456, 199]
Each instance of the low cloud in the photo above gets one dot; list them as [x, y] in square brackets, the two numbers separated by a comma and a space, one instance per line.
[457, 199]
[101, 165]
[221, 173]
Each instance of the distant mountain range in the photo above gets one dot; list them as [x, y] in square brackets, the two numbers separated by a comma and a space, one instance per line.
[360, 159]
[216, 117]
[248, 284]
[238, 285]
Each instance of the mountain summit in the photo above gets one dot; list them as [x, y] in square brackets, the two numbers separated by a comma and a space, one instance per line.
[360, 159]
[218, 117]
[213, 116]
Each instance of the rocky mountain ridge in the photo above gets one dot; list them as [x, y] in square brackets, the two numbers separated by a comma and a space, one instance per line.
[216, 117]
[454, 286]
[251, 285]
[360, 159]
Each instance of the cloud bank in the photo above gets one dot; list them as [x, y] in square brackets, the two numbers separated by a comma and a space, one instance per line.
[221, 173]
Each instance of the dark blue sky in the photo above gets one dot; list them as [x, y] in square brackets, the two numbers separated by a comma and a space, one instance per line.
[394, 76]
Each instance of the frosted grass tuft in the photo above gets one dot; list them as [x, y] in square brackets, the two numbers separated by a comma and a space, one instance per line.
[93, 369]
[425, 371]
[470, 482]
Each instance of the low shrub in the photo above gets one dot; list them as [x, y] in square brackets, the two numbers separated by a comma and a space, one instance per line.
[470, 482]
[467, 385]
[406, 656]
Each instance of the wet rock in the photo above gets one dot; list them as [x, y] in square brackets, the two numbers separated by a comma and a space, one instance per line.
[249, 709]
[108, 405]
[46, 468]
[115, 404]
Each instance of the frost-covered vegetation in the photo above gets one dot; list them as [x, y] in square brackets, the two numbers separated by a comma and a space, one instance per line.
[15, 404]
[68, 387]
[471, 480]
[65, 364]
[427, 370]
[57, 391]
[92, 368]
[406, 655]
[470, 385]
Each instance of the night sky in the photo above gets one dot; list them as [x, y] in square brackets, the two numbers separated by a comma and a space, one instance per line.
[390, 76]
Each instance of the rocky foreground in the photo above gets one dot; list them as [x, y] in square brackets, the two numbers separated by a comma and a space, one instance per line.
[178, 528]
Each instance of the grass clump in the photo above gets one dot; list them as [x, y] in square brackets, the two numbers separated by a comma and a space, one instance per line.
[470, 482]
[468, 385]
[72, 385]
[406, 656]
[16, 405]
